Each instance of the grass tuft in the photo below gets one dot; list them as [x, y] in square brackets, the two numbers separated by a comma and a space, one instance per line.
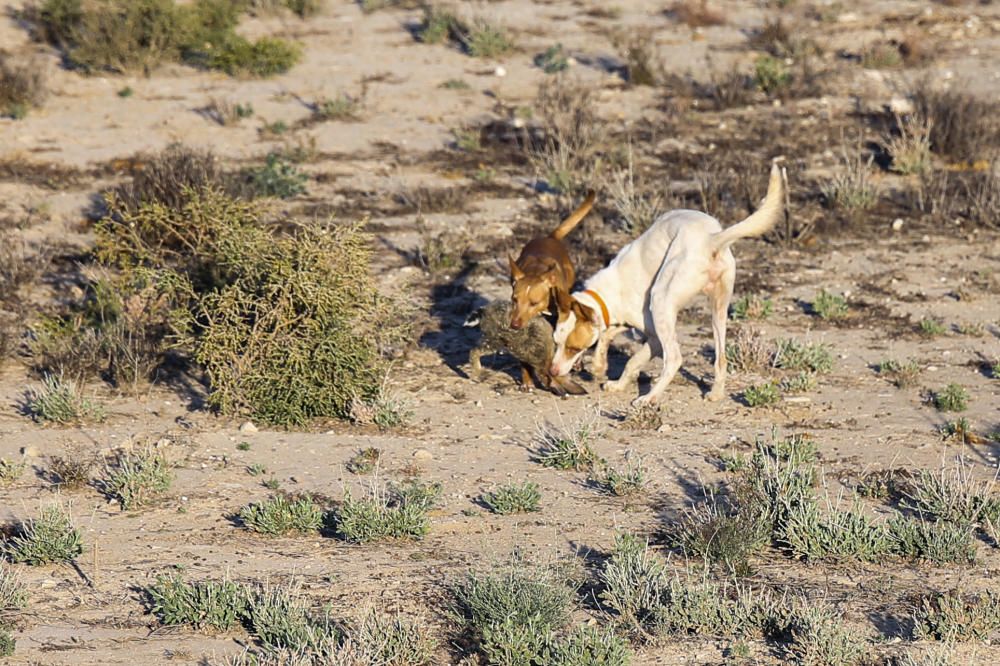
[514, 498]
[386, 514]
[50, 538]
[136, 478]
[10, 471]
[901, 373]
[952, 398]
[60, 401]
[281, 515]
[790, 354]
[829, 306]
[762, 395]
[364, 461]
[568, 447]
[752, 306]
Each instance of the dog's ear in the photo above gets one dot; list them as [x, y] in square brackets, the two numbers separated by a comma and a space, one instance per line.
[564, 302]
[583, 312]
[515, 271]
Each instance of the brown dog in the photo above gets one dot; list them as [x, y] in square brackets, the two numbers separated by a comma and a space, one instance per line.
[544, 266]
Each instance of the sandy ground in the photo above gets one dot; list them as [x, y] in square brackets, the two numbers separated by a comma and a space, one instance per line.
[467, 435]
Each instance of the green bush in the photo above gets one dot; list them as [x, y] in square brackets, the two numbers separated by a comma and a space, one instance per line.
[955, 617]
[287, 327]
[839, 535]
[218, 605]
[139, 35]
[13, 596]
[384, 514]
[22, 86]
[10, 471]
[513, 498]
[762, 395]
[829, 306]
[137, 477]
[61, 401]
[280, 515]
[276, 178]
[51, 537]
[952, 398]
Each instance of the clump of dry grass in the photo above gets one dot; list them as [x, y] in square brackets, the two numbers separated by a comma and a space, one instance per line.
[910, 145]
[749, 350]
[851, 188]
[696, 14]
[22, 86]
[961, 125]
[637, 204]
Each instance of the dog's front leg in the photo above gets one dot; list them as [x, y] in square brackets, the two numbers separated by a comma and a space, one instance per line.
[599, 363]
[632, 368]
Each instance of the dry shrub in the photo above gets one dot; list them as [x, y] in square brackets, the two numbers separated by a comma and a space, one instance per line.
[974, 196]
[728, 89]
[22, 86]
[696, 14]
[569, 156]
[962, 126]
[163, 178]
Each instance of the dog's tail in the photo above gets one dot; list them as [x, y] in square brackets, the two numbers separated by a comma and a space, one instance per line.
[763, 219]
[574, 218]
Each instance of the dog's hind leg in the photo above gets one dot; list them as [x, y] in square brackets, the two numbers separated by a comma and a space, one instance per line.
[721, 295]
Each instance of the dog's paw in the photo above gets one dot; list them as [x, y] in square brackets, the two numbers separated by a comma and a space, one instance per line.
[715, 395]
[614, 386]
[643, 400]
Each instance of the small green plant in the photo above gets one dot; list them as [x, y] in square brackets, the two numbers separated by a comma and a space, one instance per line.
[487, 40]
[272, 484]
[60, 401]
[137, 477]
[243, 446]
[952, 398]
[390, 639]
[829, 306]
[952, 494]
[50, 538]
[513, 498]
[959, 431]
[455, 84]
[467, 139]
[762, 395]
[771, 74]
[568, 448]
[724, 530]
[276, 128]
[256, 469]
[382, 410]
[790, 354]
[277, 178]
[931, 327]
[851, 189]
[341, 107]
[952, 616]
[13, 596]
[622, 482]
[902, 373]
[820, 638]
[643, 417]
[281, 515]
[510, 611]
[364, 461]
[7, 642]
[800, 383]
[752, 306]
[552, 60]
[587, 645]
[748, 350]
[10, 471]
[218, 605]
[266, 57]
[939, 541]
[384, 514]
[911, 147]
[126, 92]
[881, 56]
[838, 535]
[973, 329]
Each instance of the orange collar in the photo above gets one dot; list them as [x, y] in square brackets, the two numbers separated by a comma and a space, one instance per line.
[604, 308]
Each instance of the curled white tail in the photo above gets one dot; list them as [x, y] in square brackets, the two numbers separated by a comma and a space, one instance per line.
[763, 219]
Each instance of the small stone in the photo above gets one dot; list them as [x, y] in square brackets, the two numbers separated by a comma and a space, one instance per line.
[500, 70]
[897, 224]
[422, 454]
[29, 451]
[248, 426]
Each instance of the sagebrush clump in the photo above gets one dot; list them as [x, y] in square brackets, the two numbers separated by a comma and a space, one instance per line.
[288, 327]
[137, 477]
[52, 537]
[384, 513]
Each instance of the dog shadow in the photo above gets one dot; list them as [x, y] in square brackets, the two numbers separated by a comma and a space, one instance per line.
[451, 302]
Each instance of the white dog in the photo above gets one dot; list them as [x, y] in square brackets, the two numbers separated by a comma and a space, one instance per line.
[682, 254]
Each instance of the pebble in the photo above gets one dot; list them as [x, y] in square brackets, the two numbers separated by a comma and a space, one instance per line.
[423, 454]
[500, 70]
[897, 224]
[29, 451]
[248, 426]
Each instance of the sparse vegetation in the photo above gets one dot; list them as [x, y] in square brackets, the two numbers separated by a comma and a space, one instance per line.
[952, 616]
[276, 178]
[50, 538]
[931, 327]
[281, 515]
[385, 513]
[61, 401]
[514, 498]
[902, 373]
[762, 395]
[790, 354]
[10, 471]
[13, 596]
[910, 146]
[829, 306]
[22, 86]
[752, 306]
[568, 447]
[477, 37]
[851, 189]
[748, 350]
[342, 107]
[637, 205]
[364, 461]
[952, 398]
[622, 482]
[961, 126]
[137, 477]
[71, 472]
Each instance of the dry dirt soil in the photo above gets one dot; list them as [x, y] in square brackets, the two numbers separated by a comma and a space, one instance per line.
[474, 435]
